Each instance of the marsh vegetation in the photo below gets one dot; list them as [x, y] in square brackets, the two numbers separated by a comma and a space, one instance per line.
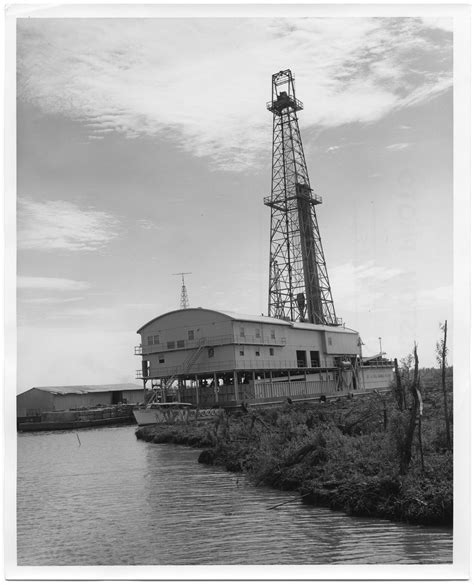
[385, 455]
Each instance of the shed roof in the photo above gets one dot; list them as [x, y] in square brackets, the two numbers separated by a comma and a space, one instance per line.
[87, 389]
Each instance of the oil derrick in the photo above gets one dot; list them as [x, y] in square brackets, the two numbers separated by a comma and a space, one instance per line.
[184, 303]
[298, 285]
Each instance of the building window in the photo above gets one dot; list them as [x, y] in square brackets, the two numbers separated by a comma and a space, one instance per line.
[272, 333]
[156, 339]
[301, 358]
[180, 343]
[191, 335]
[257, 352]
[150, 340]
[210, 352]
[242, 332]
[315, 359]
[329, 340]
[161, 358]
[241, 352]
[272, 351]
[170, 345]
[257, 333]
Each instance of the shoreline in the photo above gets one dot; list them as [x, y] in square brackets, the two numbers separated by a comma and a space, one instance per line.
[333, 455]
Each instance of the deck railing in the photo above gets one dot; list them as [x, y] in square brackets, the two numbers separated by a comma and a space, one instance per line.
[225, 366]
[261, 392]
[210, 341]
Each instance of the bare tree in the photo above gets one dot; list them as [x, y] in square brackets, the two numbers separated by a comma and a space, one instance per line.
[406, 447]
[399, 390]
[441, 354]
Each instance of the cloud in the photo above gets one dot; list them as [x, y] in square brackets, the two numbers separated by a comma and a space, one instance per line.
[61, 225]
[435, 296]
[52, 300]
[445, 24]
[364, 287]
[397, 146]
[50, 283]
[332, 148]
[371, 287]
[197, 82]
[147, 224]
[84, 312]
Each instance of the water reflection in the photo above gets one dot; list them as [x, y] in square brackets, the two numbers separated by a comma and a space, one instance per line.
[115, 501]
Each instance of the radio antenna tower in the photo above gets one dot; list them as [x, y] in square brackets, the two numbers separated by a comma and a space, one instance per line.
[298, 281]
[184, 304]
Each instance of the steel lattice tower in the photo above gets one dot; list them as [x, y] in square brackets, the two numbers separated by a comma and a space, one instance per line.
[299, 285]
[184, 302]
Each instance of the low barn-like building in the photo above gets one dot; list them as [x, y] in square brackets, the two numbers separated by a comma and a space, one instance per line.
[210, 357]
[53, 398]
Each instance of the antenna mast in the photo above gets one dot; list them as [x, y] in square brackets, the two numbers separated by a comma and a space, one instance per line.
[184, 304]
[298, 281]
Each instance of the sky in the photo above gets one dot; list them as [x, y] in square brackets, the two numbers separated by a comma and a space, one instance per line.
[144, 150]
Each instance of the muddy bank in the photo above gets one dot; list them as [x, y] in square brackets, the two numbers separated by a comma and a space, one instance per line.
[343, 456]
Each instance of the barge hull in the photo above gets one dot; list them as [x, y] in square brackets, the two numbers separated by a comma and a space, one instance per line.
[75, 424]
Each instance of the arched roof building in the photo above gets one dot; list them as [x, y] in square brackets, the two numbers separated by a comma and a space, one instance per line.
[219, 357]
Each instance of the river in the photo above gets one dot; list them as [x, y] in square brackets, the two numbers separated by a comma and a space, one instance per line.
[100, 497]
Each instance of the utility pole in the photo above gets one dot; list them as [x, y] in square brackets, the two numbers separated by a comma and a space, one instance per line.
[184, 303]
[299, 287]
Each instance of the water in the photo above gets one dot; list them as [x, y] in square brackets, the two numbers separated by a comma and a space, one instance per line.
[113, 500]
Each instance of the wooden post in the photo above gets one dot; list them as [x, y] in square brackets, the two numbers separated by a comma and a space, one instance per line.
[197, 390]
[399, 387]
[180, 385]
[236, 388]
[216, 393]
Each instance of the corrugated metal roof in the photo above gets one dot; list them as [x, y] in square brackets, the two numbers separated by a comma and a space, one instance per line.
[330, 328]
[230, 314]
[87, 389]
[256, 319]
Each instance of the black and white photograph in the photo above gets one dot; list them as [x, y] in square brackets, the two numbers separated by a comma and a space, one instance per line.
[237, 263]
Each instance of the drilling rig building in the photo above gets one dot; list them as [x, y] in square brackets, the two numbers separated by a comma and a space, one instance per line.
[301, 351]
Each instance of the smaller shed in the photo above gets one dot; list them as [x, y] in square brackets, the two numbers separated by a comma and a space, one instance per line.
[49, 398]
